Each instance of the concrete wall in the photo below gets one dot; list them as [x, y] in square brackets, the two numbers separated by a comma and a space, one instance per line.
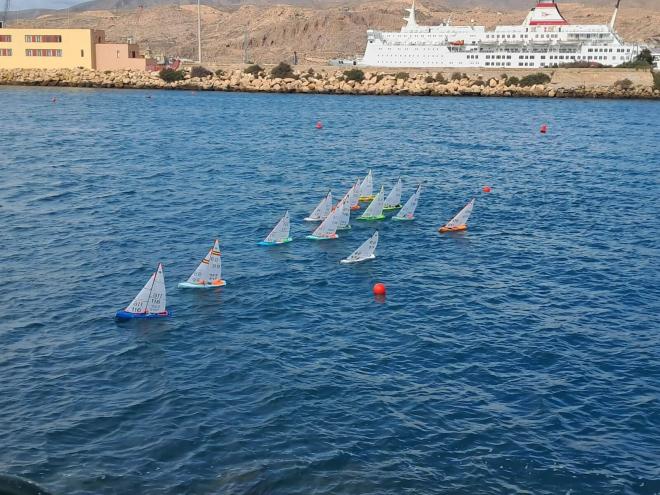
[114, 56]
[75, 50]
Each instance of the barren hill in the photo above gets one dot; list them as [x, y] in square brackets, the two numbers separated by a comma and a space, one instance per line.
[274, 32]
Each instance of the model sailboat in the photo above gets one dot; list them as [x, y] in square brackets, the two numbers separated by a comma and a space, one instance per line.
[408, 210]
[459, 222]
[355, 195]
[375, 210]
[322, 210]
[365, 251]
[393, 200]
[150, 301]
[279, 234]
[209, 272]
[344, 208]
[367, 188]
[328, 227]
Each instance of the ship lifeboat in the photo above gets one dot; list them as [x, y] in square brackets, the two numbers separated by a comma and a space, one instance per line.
[457, 43]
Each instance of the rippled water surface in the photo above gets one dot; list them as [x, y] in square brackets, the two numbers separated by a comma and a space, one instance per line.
[519, 357]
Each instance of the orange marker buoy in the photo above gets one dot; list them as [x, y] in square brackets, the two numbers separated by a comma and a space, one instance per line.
[319, 125]
[379, 289]
[486, 189]
[544, 128]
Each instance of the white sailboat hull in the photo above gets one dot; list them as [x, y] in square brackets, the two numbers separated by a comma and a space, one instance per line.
[349, 262]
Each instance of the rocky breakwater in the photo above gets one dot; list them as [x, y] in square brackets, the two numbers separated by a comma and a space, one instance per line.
[353, 81]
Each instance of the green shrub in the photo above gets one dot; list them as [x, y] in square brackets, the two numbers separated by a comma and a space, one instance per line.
[582, 64]
[635, 64]
[656, 80]
[512, 81]
[253, 69]
[282, 70]
[457, 76]
[503, 77]
[645, 56]
[219, 72]
[644, 60]
[402, 75]
[171, 75]
[354, 75]
[532, 79]
[624, 84]
[199, 71]
[310, 71]
[439, 78]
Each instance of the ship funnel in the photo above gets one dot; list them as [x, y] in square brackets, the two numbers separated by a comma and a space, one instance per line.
[616, 10]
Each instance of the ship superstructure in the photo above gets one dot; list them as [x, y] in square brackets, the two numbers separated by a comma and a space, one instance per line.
[544, 39]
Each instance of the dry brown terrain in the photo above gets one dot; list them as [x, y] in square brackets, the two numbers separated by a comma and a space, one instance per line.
[317, 34]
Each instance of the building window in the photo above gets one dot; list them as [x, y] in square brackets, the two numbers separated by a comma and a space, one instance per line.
[5, 38]
[42, 52]
[43, 38]
[5, 52]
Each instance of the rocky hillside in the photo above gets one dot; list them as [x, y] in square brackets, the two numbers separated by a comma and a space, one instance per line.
[273, 33]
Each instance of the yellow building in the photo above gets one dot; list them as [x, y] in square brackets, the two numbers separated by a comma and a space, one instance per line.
[65, 49]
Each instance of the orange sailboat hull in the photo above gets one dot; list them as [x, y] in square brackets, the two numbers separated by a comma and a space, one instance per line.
[458, 228]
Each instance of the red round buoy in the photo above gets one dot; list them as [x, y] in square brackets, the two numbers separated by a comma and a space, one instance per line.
[379, 289]
[319, 125]
[486, 189]
[544, 128]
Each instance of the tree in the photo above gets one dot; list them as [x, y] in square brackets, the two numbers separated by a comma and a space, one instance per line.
[645, 56]
[282, 70]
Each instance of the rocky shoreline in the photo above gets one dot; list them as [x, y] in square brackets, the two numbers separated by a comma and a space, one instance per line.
[335, 82]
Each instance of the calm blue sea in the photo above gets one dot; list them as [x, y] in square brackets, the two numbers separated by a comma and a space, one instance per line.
[519, 357]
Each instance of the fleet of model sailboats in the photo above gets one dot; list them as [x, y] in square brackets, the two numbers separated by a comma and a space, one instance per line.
[150, 302]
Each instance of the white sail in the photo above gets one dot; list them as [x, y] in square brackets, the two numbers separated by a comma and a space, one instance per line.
[393, 199]
[375, 209]
[281, 231]
[355, 195]
[461, 217]
[408, 210]
[344, 208]
[210, 268]
[151, 299]
[328, 227]
[365, 251]
[215, 264]
[367, 186]
[322, 210]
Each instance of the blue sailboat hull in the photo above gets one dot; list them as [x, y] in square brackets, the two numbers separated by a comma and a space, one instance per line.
[267, 243]
[125, 315]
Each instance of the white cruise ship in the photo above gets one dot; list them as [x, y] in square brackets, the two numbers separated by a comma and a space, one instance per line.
[544, 39]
